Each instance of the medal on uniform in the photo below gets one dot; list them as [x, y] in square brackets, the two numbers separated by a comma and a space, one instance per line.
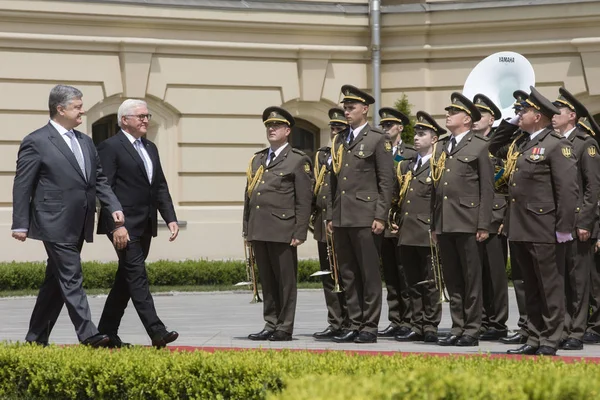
[362, 147]
[537, 153]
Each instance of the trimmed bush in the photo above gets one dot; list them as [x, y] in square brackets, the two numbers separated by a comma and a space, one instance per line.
[80, 372]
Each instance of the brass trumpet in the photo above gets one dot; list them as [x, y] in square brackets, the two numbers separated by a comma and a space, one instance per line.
[333, 264]
[250, 272]
[436, 267]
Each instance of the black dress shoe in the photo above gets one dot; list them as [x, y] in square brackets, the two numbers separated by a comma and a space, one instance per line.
[525, 349]
[262, 335]
[449, 340]
[430, 337]
[327, 333]
[346, 336]
[392, 331]
[409, 337]
[115, 342]
[36, 343]
[366, 337]
[467, 340]
[572, 344]
[98, 340]
[591, 337]
[492, 334]
[160, 340]
[546, 351]
[280, 336]
[515, 338]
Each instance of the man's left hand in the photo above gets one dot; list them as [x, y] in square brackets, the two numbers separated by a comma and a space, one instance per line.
[118, 218]
[378, 226]
[482, 235]
[174, 228]
[296, 242]
[583, 235]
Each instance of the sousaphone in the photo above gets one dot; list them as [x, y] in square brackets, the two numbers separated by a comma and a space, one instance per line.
[498, 76]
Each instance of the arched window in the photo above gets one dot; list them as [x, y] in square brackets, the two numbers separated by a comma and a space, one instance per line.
[305, 137]
[104, 128]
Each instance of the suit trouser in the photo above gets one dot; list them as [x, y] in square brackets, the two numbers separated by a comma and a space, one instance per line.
[278, 271]
[131, 281]
[579, 261]
[398, 296]
[494, 284]
[593, 324]
[519, 286]
[357, 252]
[545, 290]
[337, 313]
[462, 273]
[426, 306]
[63, 284]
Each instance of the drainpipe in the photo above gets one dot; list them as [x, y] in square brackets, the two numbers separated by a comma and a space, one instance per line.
[375, 14]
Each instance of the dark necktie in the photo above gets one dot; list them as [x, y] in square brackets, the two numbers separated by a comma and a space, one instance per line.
[525, 141]
[452, 144]
[351, 138]
[418, 164]
[271, 157]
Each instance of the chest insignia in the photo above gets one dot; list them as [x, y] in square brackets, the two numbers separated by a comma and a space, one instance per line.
[566, 151]
[591, 151]
[537, 153]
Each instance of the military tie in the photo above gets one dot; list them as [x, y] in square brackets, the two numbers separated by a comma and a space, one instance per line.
[452, 144]
[525, 141]
[350, 137]
[418, 164]
[271, 157]
[138, 147]
[77, 152]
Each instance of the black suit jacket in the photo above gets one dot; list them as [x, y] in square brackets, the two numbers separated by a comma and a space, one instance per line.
[51, 196]
[127, 177]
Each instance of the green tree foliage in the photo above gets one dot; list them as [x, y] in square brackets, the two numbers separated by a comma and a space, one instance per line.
[404, 106]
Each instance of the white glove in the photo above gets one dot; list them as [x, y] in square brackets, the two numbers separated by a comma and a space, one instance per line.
[562, 237]
[514, 120]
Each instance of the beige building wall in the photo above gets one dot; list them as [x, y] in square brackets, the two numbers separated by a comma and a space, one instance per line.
[208, 74]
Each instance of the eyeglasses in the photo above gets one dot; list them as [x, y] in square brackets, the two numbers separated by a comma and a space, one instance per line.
[141, 117]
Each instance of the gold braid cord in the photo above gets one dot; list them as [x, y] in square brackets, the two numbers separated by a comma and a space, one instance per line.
[336, 156]
[509, 166]
[252, 180]
[320, 174]
[403, 181]
[437, 166]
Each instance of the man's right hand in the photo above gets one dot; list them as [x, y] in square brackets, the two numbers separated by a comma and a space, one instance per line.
[120, 238]
[20, 236]
[329, 226]
[118, 218]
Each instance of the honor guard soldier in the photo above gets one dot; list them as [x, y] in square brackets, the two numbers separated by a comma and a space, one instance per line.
[579, 259]
[414, 218]
[505, 135]
[337, 314]
[362, 193]
[493, 251]
[543, 196]
[399, 304]
[592, 333]
[462, 197]
[277, 209]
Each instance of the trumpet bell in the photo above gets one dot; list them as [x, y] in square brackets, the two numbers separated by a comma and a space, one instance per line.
[319, 273]
[498, 76]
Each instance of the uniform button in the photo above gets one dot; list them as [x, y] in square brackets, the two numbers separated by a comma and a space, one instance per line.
[326, 184]
[406, 213]
[450, 157]
[258, 194]
[343, 192]
[407, 201]
[445, 183]
[428, 220]
[283, 215]
[516, 169]
[466, 158]
[324, 197]
[411, 189]
[368, 197]
[262, 182]
[448, 170]
[514, 184]
[257, 206]
[281, 173]
[345, 178]
[445, 197]
[472, 204]
[495, 205]
[577, 209]
[266, 170]
[346, 165]
[541, 209]
[349, 151]
[324, 210]
[414, 179]
[513, 200]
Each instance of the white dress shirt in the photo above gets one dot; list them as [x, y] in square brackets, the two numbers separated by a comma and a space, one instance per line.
[356, 132]
[144, 153]
[276, 151]
[423, 159]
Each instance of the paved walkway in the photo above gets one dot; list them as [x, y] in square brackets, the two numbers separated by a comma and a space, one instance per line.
[224, 319]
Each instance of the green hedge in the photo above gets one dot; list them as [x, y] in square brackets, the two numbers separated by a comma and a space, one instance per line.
[78, 372]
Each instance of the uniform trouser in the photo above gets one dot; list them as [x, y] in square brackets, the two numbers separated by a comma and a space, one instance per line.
[494, 284]
[398, 297]
[357, 252]
[426, 305]
[544, 280]
[462, 272]
[579, 260]
[131, 282]
[519, 286]
[63, 285]
[593, 324]
[278, 271]
[337, 313]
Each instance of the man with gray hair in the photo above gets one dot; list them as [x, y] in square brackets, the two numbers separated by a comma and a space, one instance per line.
[132, 165]
[57, 180]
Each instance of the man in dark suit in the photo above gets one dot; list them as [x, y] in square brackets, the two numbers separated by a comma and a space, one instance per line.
[398, 294]
[462, 212]
[579, 259]
[277, 208]
[361, 187]
[543, 197]
[57, 181]
[132, 165]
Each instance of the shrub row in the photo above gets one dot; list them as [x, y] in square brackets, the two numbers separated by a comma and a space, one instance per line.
[144, 373]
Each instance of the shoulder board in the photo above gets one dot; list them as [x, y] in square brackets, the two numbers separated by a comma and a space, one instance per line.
[581, 134]
[481, 137]
[324, 148]
[262, 151]
[298, 151]
[556, 135]
[375, 129]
